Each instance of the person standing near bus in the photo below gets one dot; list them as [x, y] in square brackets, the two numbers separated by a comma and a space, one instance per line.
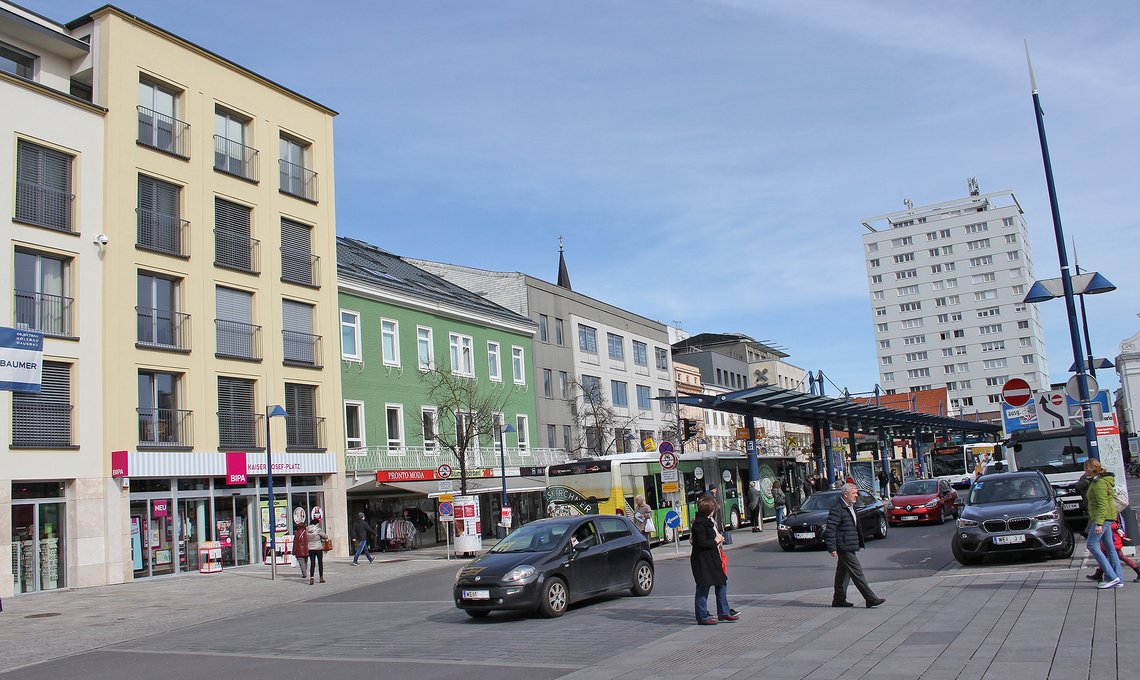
[641, 513]
[754, 506]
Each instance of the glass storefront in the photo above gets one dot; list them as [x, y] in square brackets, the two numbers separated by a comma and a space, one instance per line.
[170, 518]
[38, 536]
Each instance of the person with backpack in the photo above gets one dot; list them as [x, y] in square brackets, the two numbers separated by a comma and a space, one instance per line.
[1102, 517]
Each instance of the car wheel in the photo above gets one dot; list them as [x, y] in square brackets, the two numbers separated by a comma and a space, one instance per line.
[1068, 544]
[734, 519]
[881, 532]
[555, 598]
[962, 556]
[941, 515]
[788, 547]
[642, 579]
[477, 613]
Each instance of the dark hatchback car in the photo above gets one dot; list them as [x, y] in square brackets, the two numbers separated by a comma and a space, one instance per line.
[806, 526]
[1011, 512]
[550, 563]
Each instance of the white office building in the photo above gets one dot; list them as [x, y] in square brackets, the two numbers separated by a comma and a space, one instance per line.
[946, 284]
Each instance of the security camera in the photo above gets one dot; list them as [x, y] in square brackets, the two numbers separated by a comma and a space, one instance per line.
[102, 240]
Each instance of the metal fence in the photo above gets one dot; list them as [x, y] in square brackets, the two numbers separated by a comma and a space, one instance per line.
[161, 233]
[298, 180]
[163, 328]
[161, 427]
[234, 158]
[372, 458]
[238, 340]
[240, 429]
[235, 250]
[302, 348]
[304, 432]
[48, 314]
[43, 206]
[163, 132]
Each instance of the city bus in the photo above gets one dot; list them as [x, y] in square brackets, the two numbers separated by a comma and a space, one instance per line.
[607, 485]
[959, 463]
[729, 469]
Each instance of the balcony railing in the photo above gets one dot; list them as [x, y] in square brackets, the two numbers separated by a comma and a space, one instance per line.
[298, 180]
[48, 314]
[165, 427]
[168, 234]
[38, 424]
[300, 268]
[237, 340]
[240, 430]
[372, 458]
[43, 206]
[234, 250]
[302, 348]
[235, 158]
[162, 132]
[303, 432]
[163, 329]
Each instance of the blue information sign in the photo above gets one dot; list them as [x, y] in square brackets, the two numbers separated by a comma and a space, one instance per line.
[445, 509]
[672, 519]
[665, 447]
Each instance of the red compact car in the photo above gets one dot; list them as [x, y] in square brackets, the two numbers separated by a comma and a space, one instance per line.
[922, 500]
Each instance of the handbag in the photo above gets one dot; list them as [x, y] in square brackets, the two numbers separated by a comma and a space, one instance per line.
[649, 527]
[723, 564]
[326, 544]
[1119, 499]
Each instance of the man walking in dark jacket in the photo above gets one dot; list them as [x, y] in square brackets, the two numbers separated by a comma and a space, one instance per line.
[844, 538]
[360, 532]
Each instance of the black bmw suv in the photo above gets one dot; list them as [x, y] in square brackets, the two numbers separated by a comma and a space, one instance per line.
[1011, 512]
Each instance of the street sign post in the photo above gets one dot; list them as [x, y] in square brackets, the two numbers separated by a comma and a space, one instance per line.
[668, 460]
[1073, 388]
[444, 471]
[673, 521]
[669, 481]
[1016, 392]
[1052, 411]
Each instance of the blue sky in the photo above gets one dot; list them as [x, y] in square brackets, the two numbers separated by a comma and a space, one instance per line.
[708, 162]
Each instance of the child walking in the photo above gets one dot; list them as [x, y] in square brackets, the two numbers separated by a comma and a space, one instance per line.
[1118, 542]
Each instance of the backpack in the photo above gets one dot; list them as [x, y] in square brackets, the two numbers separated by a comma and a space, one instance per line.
[1119, 499]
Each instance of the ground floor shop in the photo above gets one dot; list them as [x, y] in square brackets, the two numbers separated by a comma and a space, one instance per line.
[39, 536]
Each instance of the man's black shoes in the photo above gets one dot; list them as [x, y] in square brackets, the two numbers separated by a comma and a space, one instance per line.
[841, 603]
[875, 602]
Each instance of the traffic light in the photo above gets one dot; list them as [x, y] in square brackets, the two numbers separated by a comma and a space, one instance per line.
[690, 428]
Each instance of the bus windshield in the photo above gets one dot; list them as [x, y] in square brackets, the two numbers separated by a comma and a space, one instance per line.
[1060, 454]
[946, 464]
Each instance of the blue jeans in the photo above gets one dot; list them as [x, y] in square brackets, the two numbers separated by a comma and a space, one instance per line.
[362, 547]
[702, 601]
[1103, 551]
[779, 514]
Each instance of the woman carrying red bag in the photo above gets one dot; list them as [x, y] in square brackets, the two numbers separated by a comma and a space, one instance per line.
[709, 566]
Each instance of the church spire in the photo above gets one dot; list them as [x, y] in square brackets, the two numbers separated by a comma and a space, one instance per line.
[563, 273]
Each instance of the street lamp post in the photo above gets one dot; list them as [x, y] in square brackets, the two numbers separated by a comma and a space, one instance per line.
[503, 466]
[271, 412]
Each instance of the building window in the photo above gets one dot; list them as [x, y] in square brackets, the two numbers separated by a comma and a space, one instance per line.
[298, 264]
[394, 426]
[522, 431]
[493, 363]
[232, 155]
[159, 127]
[161, 422]
[304, 429]
[877, 295]
[17, 62]
[236, 335]
[518, 367]
[239, 423]
[640, 354]
[43, 186]
[664, 405]
[619, 395]
[1027, 358]
[390, 341]
[40, 286]
[296, 177]
[877, 278]
[160, 226]
[874, 263]
[643, 398]
[552, 436]
[43, 419]
[462, 361]
[662, 357]
[429, 422]
[543, 323]
[563, 384]
[547, 383]
[884, 344]
[591, 387]
[558, 331]
[160, 324]
[234, 245]
[587, 339]
[353, 424]
[566, 437]
[301, 346]
[425, 349]
[350, 335]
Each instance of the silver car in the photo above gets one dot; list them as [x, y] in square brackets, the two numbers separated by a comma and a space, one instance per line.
[1011, 512]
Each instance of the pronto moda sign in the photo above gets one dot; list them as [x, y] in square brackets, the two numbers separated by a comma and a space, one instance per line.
[21, 360]
[1016, 392]
[405, 475]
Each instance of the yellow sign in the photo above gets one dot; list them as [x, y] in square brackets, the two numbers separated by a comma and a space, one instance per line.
[670, 487]
[742, 433]
[648, 444]
[445, 498]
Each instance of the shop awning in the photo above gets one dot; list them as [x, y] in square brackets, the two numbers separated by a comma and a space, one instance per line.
[474, 486]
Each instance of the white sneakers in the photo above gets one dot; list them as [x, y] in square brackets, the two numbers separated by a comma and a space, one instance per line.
[1114, 583]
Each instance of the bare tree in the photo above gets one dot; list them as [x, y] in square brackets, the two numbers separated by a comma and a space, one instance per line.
[466, 409]
[596, 421]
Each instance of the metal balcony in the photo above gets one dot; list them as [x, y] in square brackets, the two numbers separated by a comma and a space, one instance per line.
[373, 458]
[300, 268]
[164, 133]
[167, 234]
[235, 250]
[302, 349]
[163, 329]
[165, 427]
[297, 180]
[303, 432]
[240, 430]
[237, 159]
[237, 340]
[48, 314]
[43, 206]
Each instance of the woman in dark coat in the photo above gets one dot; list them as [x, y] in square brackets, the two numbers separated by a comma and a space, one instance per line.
[708, 570]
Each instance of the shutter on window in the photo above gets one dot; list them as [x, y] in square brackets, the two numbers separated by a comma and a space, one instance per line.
[297, 331]
[43, 186]
[235, 332]
[300, 404]
[44, 419]
[237, 422]
[231, 217]
[296, 252]
[159, 223]
[232, 243]
[234, 305]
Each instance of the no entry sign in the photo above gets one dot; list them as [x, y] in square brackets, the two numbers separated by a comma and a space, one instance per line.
[1016, 392]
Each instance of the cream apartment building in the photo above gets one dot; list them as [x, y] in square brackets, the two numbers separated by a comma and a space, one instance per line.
[217, 298]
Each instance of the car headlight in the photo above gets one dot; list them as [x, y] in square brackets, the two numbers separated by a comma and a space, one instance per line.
[519, 573]
[888, 505]
[932, 503]
[1052, 516]
[782, 527]
[459, 573]
[964, 523]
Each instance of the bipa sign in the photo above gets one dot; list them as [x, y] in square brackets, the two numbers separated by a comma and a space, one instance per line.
[119, 464]
[236, 472]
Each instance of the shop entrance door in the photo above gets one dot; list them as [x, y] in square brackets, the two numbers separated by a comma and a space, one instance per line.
[37, 546]
[196, 526]
[152, 537]
[231, 528]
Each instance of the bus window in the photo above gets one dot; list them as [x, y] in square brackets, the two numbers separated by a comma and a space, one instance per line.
[652, 491]
[693, 488]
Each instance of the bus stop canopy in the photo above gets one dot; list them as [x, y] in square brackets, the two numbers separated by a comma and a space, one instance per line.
[790, 406]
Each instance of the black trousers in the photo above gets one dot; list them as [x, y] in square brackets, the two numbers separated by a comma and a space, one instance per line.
[755, 512]
[847, 568]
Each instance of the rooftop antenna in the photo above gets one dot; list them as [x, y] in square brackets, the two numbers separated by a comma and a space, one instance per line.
[972, 185]
[908, 203]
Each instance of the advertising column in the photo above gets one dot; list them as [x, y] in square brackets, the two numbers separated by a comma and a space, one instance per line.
[468, 532]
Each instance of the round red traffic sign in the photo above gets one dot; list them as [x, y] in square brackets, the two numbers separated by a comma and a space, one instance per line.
[444, 471]
[668, 460]
[1057, 399]
[1016, 392]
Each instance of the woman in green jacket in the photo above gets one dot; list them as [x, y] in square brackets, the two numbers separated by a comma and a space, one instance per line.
[1102, 516]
